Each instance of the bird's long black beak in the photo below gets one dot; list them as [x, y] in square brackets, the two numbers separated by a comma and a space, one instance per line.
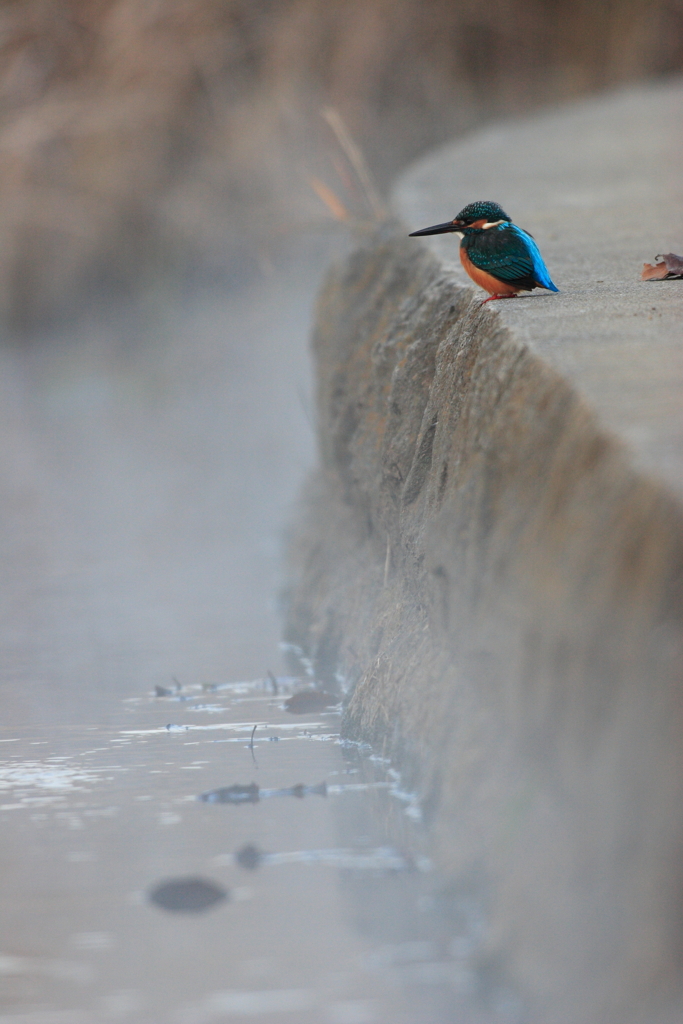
[437, 229]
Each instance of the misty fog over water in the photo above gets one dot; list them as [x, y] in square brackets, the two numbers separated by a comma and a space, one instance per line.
[151, 460]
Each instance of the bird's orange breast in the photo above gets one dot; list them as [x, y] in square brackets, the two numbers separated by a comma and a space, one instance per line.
[486, 281]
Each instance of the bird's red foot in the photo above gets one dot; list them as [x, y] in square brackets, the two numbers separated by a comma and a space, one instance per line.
[492, 298]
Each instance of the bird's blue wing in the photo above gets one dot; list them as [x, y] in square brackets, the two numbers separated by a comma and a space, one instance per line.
[511, 255]
[539, 271]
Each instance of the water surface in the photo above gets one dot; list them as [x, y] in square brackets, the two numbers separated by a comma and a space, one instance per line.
[149, 463]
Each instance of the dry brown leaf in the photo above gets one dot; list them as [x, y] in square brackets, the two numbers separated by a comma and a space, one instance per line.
[671, 266]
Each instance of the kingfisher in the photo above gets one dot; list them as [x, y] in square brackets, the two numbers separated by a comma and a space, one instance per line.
[499, 257]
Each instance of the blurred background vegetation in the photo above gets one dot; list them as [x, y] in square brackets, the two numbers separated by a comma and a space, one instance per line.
[142, 139]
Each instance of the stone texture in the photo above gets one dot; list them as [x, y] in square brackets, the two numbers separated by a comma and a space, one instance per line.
[491, 554]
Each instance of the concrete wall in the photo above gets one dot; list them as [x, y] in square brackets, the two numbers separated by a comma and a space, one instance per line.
[497, 569]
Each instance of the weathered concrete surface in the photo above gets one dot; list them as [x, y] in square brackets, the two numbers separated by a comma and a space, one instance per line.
[492, 549]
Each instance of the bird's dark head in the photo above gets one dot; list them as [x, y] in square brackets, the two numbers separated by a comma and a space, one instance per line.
[474, 217]
[480, 214]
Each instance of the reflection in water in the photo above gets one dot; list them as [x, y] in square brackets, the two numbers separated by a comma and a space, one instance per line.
[382, 859]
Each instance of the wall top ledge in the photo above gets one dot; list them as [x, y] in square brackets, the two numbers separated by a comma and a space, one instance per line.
[599, 185]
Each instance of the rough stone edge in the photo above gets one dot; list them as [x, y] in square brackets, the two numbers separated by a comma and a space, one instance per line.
[479, 559]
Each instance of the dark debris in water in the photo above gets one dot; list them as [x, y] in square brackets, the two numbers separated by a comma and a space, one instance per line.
[249, 857]
[232, 795]
[251, 794]
[308, 701]
[165, 691]
[301, 790]
[187, 895]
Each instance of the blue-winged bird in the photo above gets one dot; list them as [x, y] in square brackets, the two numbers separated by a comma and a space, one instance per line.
[500, 257]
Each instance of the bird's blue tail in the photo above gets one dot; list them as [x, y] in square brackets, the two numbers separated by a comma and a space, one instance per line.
[541, 275]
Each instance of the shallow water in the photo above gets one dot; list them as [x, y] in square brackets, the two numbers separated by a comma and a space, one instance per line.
[148, 466]
[342, 918]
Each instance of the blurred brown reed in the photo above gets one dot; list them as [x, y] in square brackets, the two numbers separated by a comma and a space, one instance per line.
[141, 137]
